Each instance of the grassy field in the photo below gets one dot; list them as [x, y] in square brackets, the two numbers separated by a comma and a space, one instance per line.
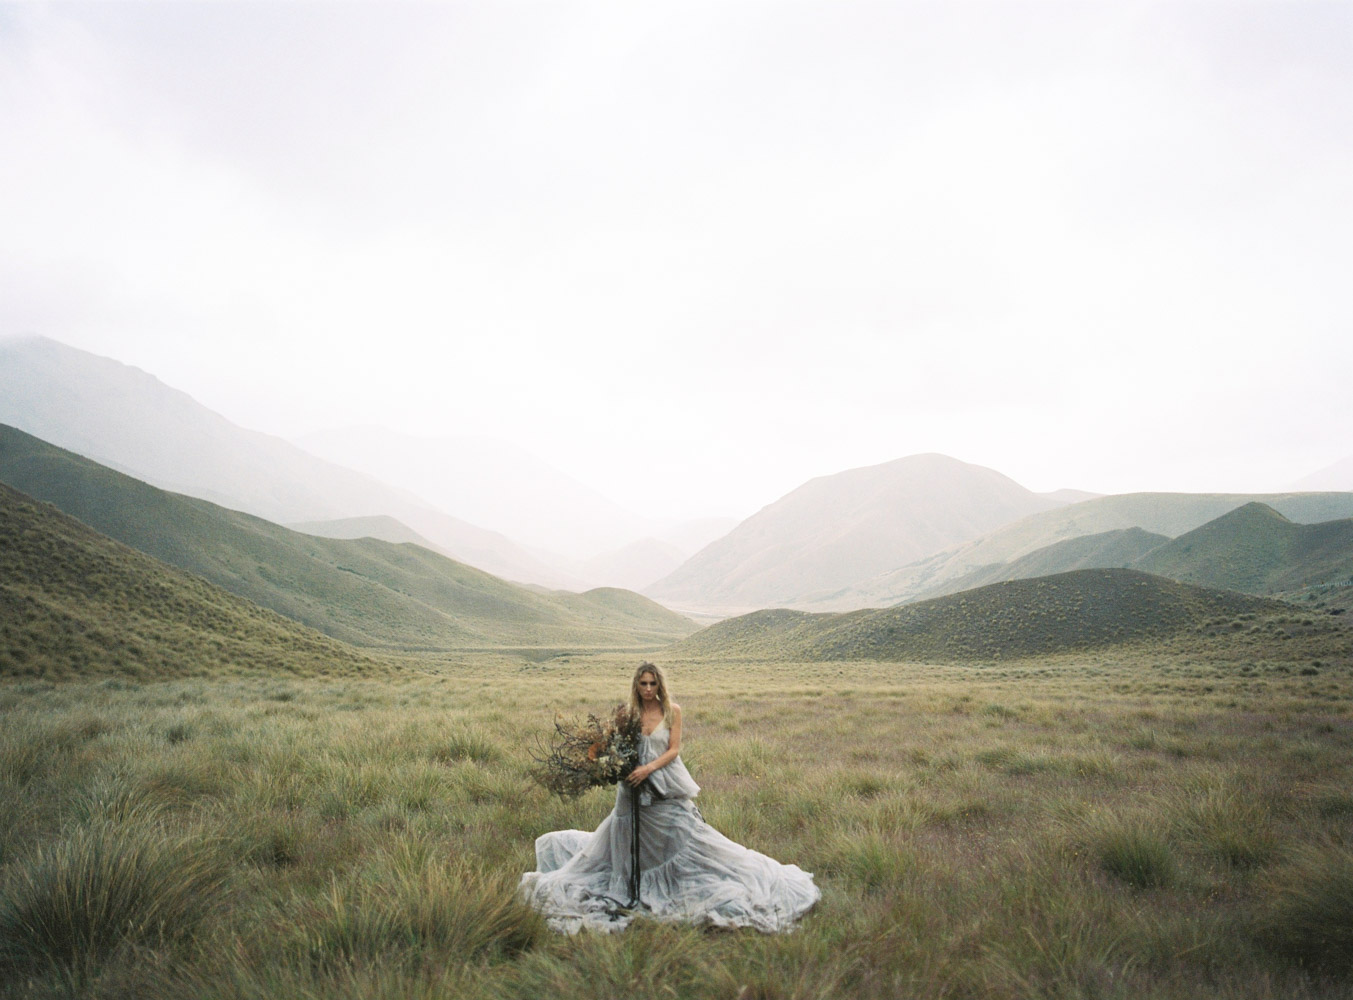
[1128, 824]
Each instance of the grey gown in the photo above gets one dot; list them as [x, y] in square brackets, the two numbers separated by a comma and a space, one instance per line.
[688, 870]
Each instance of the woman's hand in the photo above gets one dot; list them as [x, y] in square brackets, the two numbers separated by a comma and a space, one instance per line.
[639, 775]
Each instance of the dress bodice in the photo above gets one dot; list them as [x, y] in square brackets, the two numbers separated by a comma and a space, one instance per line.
[672, 781]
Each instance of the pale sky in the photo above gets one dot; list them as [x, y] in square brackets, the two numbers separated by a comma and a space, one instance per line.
[694, 254]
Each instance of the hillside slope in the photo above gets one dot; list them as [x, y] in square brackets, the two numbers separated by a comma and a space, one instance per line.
[387, 529]
[1254, 549]
[1107, 550]
[1081, 610]
[74, 602]
[1168, 514]
[128, 420]
[836, 530]
[366, 592]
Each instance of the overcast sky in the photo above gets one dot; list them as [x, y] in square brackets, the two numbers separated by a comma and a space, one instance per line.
[696, 253]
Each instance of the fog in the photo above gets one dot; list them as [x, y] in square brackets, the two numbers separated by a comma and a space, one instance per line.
[691, 255]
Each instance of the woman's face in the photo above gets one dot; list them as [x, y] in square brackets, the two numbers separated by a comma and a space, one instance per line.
[648, 688]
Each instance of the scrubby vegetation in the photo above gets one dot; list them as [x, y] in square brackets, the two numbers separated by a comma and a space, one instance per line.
[1103, 825]
[74, 603]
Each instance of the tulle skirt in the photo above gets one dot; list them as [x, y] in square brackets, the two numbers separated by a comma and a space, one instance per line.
[689, 871]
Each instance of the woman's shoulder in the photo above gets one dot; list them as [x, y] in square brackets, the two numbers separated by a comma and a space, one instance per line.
[676, 709]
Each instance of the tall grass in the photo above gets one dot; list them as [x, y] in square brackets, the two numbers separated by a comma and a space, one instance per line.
[1310, 914]
[434, 913]
[102, 887]
[1013, 831]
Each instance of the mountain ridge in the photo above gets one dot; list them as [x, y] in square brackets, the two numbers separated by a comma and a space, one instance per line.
[75, 602]
[127, 419]
[1254, 549]
[1167, 514]
[365, 592]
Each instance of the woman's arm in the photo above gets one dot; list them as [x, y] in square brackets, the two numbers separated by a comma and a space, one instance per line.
[641, 773]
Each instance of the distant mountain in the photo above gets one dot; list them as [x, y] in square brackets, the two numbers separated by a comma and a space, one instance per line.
[75, 603]
[836, 530]
[1071, 496]
[636, 565]
[1255, 550]
[1081, 610]
[565, 524]
[128, 420]
[1338, 476]
[366, 592]
[691, 536]
[490, 483]
[1168, 514]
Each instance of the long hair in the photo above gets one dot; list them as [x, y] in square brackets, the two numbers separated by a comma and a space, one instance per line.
[664, 700]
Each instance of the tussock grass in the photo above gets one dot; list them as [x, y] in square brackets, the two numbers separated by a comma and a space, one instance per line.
[1310, 914]
[1135, 853]
[1227, 822]
[102, 887]
[1086, 838]
[434, 912]
[468, 744]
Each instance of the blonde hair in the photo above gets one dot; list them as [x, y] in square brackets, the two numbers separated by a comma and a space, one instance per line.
[664, 700]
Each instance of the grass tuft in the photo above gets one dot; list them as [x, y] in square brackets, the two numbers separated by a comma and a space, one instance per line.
[75, 901]
[1309, 917]
[1135, 854]
[468, 744]
[1228, 824]
[436, 912]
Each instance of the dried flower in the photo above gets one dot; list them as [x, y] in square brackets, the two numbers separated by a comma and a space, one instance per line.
[587, 755]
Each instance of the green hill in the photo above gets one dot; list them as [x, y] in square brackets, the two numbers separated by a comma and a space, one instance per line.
[74, 603]
[1255, 550]
[1081, 610]
[129, 420]
[382, 526]
[1168, 514]
[365, 592]
[1106, 550]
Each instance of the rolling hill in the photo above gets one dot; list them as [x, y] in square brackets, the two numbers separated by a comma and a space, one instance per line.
[1107, 550]
[1081, 610]
[76, 603]
[1255, 550]
[1167, 514]
[387, 529]
[130, 421]
[366, 592]
[836, 530]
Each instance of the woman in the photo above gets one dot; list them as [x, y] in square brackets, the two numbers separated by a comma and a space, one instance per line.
[688, 870]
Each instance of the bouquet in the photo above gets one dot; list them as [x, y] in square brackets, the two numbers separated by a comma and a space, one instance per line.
[583, 755]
